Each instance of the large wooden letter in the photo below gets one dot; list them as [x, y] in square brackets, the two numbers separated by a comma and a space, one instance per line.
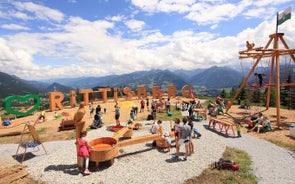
[171, 91]
[116, 94]
[157, 93]
[85, 93]
[128, 91]
[55, 100]
[72, 98]
[187, 91]
[104, 92]
[141, 91]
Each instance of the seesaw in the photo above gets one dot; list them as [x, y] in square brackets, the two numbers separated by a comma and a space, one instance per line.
[106, 148]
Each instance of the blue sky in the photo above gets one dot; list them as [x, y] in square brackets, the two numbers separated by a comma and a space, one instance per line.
[43, 39]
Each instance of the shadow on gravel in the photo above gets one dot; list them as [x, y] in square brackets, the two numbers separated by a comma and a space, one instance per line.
[27, 156]
[135, 152]
[216, 131]
[71, 169]
[173, 159]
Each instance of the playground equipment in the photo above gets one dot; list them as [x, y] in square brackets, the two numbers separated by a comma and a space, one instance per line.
[36, 141]
[274, 53]
[106, 148]
[66, 124]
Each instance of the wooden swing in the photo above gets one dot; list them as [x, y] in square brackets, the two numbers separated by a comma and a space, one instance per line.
[25, 144]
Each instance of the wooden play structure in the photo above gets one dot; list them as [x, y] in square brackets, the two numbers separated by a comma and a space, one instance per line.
[33, 141]
[67, 124]
[274, 53]
[223, 125]
[12, 133]
[106, 148]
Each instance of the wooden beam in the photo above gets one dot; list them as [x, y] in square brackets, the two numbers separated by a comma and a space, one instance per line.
[140, 139]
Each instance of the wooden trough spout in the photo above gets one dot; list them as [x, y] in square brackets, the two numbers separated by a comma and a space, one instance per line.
[126, 131]
[140, 139]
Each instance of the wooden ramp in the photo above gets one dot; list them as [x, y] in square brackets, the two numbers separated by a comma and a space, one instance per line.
[140, 139]
[126, 131]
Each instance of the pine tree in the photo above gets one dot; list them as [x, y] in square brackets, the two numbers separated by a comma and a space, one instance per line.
[223, 93]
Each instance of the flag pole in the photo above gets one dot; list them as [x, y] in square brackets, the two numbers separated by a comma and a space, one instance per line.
[277, 22]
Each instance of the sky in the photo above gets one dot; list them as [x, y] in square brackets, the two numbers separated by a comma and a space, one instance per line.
[42, 39]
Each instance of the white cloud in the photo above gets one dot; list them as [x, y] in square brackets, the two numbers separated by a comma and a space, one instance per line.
[14, 27]
[135, 25]
[270, 2]
[205, 13]
[38, 11]
[81, 47]
[117, 18]
[153, 6]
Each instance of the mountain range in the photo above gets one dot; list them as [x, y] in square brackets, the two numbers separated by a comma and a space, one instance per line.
[211, 78]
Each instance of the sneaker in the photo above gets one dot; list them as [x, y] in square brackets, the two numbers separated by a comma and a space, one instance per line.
[184, 159]
[175, 157]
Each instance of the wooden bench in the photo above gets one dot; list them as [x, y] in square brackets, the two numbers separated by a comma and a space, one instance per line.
[223, 125]
[67, 124]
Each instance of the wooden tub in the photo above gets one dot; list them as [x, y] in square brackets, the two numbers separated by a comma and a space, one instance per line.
[104, 149]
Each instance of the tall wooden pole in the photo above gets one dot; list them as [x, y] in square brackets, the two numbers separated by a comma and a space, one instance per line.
[278, 90]
[270, 83]
[278, 82]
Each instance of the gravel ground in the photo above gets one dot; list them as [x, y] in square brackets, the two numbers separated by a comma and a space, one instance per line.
[271, 164]
[142, 163]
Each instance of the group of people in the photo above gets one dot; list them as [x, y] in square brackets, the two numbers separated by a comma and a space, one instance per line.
[183, 135]
[259, 123]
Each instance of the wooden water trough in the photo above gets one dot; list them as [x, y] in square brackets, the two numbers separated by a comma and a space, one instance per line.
[106, 148]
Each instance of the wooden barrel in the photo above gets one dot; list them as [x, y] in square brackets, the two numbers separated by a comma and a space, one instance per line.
[161, 143]
[104, 149]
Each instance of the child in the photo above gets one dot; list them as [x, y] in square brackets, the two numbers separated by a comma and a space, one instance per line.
[239, 129]
[132, 115]
[91, 109]
[197, 132]
[84, 151]
[168, 139]
[176, 129]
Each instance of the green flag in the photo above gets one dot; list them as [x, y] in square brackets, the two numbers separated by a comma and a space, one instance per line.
[285, 15]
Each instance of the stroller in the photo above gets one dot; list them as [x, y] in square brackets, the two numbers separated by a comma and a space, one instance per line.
[97, 122]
